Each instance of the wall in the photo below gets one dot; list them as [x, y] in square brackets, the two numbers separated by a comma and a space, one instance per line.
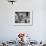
[9, 31]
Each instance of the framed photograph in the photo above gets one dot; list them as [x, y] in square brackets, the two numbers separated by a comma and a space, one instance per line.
[23, 18]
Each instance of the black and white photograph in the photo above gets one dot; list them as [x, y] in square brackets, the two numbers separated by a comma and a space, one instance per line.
[23, 18]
